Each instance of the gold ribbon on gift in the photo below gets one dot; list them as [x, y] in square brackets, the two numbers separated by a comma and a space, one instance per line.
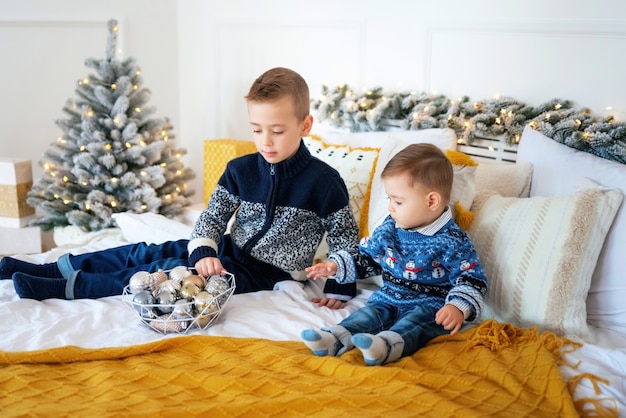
[13, 200]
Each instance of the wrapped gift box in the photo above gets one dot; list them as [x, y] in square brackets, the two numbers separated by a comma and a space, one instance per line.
[16, 179]
[217, 153]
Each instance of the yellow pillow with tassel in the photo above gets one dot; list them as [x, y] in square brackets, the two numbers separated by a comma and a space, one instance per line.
[463, 187]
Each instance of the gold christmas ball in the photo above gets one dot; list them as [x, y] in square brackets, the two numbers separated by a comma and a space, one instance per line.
[205, 303]
[189, 290]
[195, 279]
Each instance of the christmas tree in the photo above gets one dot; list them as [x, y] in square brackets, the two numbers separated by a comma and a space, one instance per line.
[113, 156]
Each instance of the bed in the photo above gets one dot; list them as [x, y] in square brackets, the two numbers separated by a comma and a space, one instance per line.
[545, 347]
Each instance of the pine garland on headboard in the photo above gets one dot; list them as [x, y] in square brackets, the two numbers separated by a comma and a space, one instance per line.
[500, 117]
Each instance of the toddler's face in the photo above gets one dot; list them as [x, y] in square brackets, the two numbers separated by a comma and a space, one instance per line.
[276, 130]
[409, 205]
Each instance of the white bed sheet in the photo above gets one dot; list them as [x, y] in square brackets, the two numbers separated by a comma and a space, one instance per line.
[281, 314]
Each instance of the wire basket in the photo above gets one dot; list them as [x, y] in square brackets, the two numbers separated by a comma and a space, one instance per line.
[185, 307]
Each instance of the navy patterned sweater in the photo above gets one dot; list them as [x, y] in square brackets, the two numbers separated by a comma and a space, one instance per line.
[431, 266]
[282, 212]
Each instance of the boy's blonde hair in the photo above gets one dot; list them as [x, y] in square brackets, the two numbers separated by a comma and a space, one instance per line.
[280, 82]
[425, 164]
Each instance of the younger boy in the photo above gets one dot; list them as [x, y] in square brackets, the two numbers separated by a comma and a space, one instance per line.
[432, 278]
[282, 206]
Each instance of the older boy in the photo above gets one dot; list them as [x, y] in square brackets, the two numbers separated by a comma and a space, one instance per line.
[282, 212]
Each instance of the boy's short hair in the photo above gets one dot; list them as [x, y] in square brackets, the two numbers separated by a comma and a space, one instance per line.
[280, 82]
[425, 164]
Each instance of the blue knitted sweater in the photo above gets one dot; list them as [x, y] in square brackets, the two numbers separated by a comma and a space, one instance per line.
[419, 268]
[282, 212]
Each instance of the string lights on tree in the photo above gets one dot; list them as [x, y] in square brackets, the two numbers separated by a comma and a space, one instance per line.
[503, 118]
[113, 155]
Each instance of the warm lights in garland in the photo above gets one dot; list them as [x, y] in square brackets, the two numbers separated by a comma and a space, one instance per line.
[501, 118]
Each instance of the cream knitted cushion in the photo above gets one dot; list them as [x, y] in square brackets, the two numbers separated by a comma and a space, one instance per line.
[539, 254]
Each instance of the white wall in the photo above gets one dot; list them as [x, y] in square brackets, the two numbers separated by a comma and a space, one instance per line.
[43, 47]
[200, 56]
[533, 51]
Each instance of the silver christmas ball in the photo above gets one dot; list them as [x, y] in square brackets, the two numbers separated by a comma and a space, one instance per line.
[169, 286]
[183, 310]
[140, 281]
[166, 300]
[143, 302]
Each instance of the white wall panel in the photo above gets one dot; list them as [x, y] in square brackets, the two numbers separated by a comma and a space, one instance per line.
[534, 63]
[244, 50]
[44, 45]
[199, 57]
[41, 77]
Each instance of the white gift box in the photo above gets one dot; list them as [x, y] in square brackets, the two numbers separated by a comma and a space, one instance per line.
[16, 179]
[20, 240]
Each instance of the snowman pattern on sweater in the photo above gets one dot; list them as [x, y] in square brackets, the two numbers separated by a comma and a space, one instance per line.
[429, 269]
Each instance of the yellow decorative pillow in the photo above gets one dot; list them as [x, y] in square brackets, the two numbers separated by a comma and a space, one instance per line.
[356, 166]
[463, 186]
[217, 153]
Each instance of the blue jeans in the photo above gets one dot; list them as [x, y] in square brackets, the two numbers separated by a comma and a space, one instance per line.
[106, 272]
[413, 326]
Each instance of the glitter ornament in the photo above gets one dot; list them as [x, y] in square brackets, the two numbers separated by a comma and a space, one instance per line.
[165, 325]
[143, 304]
[179, 273]
[139, 281]
[217, 286]
[158, 278]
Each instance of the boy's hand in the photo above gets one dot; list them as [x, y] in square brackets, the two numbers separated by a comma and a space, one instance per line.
[318, 270]
[450, 317]
[210, 266]
[329, 303]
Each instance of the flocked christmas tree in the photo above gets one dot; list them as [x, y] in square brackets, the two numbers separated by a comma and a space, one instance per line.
[113, 156]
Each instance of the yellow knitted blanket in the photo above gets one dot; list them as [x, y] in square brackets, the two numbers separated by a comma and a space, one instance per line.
[491, 370]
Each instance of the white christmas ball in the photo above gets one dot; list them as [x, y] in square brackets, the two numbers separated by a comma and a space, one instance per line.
[179, 273]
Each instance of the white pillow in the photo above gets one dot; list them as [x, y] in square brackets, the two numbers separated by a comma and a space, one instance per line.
[539, 254]
[356, 166]
[508, 180]
[391, 143]
[150, 228]
[556, 167]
